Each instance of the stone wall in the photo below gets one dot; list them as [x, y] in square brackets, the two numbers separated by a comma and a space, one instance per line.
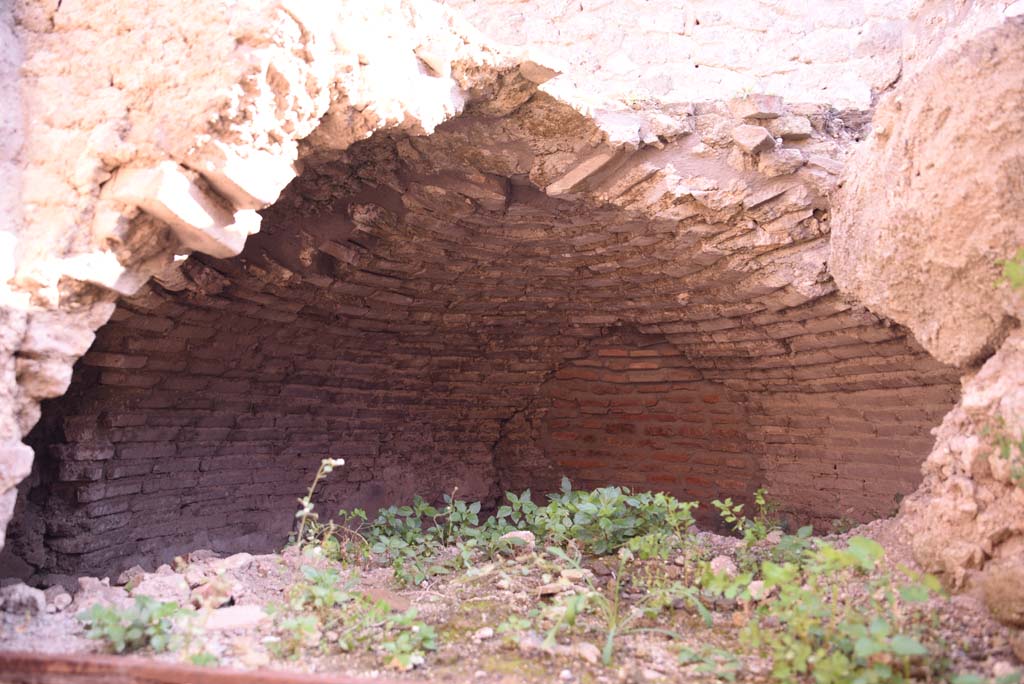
[443, 301]
[926, 251]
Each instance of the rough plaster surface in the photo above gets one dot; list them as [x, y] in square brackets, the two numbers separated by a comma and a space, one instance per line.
[933, 199]
[719, 198]
[967, 518]
[837, 51]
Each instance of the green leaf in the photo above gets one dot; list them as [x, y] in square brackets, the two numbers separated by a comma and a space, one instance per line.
[914, 593]
[1013, 272]
[775, 575]
[968, 678]
[867, 551]
[904, 645]
[932, 583]
[865, 647]
[880, 627]
[688, 655]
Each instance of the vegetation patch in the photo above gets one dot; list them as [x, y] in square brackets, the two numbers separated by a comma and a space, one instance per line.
[602, 585]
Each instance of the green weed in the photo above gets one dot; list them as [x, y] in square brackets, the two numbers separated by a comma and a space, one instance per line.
[147, 623]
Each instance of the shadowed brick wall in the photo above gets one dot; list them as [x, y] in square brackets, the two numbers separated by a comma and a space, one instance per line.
[642, 416]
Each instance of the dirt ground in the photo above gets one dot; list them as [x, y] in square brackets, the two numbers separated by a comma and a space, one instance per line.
[468, 608]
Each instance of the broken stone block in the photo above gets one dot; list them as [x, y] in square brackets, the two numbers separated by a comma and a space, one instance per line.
[780, 161]
[753, 139]
[199, 220]
[723, 565]
[92, 590]
[163, 588]
[194, 577]
[527, 541]
[57, 599]
[791, 127]
[483, 634]
[201, 554]
[394, 602]
[587, 651]
[235, 617]
[15, 464]
[621, 127]
[830, 166]
[250, 182]
[579, 173]
[439, 65]
[133, 573]
[537, 73]
[551, 588]
[756, 106]
[238, 561]
[1003, 591]
[22, 599]
[214, 594]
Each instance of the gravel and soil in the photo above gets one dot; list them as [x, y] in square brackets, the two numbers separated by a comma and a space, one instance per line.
[468, 609]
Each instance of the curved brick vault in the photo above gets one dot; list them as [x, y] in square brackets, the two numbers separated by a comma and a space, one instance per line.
[515, 297]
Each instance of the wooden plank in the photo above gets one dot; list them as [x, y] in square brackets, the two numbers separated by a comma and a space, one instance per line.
[49, 668]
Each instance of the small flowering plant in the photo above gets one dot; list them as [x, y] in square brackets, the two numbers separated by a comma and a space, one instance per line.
[305, 512]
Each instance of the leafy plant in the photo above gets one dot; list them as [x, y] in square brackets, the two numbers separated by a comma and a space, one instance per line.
[204, 659]
[1015, 677]
[519, 510]
[1013, 270]
[717, 662]
[652, 545]
[145, 623]
[513, 625]
[604, 520]
[616, 618]
[452, 523]
[408, 639]
[755, 529]
[400, 535]
[1008, 448]
[571, 608]
[295, 632]
[321, 592]
[322, 605]
[793, 547]
[815, 628]
[411, 538]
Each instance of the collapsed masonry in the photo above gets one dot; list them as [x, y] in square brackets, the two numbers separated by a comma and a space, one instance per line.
[475, 282]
